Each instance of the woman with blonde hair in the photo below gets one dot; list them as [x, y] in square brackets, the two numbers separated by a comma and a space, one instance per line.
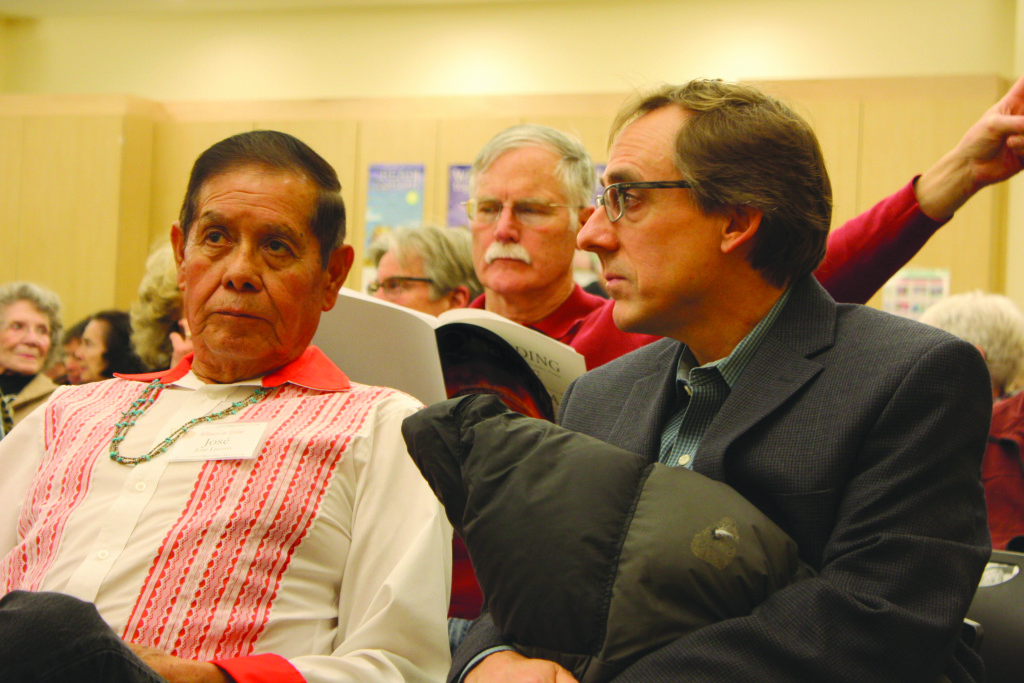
[159, 332]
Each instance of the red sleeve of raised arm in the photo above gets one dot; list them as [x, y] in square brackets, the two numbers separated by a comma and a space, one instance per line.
[868, 250]
[260, 669]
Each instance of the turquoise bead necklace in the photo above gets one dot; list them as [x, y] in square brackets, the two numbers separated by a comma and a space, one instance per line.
[142, 404]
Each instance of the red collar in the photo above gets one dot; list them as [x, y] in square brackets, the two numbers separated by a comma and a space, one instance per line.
[561, 322]
[312, 370]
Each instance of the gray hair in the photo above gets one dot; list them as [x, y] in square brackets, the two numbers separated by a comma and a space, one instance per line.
[575, 168]
[44, 301]
[990, 321]
[446, 253]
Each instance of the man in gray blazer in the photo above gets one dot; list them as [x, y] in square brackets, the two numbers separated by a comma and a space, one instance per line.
[859, 433]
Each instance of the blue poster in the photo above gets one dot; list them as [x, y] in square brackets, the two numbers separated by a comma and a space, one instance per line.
[394, 198]
[458, 192]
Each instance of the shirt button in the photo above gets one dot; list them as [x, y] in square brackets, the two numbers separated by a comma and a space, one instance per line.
[684, 459]
[102, 555]
[141, 486]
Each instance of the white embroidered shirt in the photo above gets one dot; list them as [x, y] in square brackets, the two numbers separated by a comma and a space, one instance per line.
[326, 549]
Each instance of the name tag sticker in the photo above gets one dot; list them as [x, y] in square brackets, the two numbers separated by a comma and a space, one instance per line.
[225, 441]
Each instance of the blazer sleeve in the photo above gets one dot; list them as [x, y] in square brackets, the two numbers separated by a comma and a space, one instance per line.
[904, 557]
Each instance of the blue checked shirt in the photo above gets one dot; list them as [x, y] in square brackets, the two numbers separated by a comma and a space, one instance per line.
[702, 390]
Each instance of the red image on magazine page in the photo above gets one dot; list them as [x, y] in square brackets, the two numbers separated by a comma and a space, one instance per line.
[477, 361]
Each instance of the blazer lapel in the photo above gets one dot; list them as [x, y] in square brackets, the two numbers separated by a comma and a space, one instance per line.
[650, 402]
[778, 369]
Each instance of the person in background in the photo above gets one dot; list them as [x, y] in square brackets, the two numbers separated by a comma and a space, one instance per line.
[859, 433]
[1002, 471]
[531, 189]
[429, 269]
[993, 323]
[70, 342]
[29, 332]
[160, 334]
[249, 515]
[106, 348]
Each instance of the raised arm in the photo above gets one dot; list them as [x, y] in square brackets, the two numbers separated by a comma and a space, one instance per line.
[990, 152]
[867, 250]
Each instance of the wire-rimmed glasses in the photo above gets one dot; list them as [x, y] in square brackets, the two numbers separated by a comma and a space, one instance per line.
[524, 211]
[393, 286]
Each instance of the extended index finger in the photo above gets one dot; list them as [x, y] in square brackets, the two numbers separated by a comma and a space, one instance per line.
[1013, 101]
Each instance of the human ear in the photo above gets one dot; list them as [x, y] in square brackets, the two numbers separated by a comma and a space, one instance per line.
[459, 297]
[739, 230]
[178, 245]
[338, 266]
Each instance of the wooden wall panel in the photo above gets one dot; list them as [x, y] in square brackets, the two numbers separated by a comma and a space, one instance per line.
[12, 139]
[591, 130]
[71, 176]
[134, 210]
[175, 148]
[412, 141]
[458, 142]
[877, 134]
[902, 138]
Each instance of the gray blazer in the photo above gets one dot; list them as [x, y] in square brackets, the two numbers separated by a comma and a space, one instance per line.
[861, 435]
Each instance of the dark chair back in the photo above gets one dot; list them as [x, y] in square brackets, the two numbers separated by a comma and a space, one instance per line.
[999, 607]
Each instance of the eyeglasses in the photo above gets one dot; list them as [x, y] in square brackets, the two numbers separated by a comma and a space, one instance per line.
[616, 197]
[393, 286]
[525, 211]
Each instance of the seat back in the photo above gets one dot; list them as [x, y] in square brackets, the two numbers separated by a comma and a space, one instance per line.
[998, 606]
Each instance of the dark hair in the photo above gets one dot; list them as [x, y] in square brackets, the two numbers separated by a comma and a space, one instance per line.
[118, 354]
[280, 152]
[74, 333]
[741, 147]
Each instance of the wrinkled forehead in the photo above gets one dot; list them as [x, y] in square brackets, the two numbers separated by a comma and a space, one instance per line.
[646, 147]
[258, 186]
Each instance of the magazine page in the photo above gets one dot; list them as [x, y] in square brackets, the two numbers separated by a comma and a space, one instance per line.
[380, 343]
[474, 360]
[555, 364]
[377, 342]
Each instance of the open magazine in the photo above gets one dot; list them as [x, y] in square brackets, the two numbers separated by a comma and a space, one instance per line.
[462, 351]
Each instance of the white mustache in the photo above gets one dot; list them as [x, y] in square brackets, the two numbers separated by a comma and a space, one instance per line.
[507, 250]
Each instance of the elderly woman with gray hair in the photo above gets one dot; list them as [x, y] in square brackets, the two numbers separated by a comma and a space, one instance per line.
[994, 324]
[29, 332]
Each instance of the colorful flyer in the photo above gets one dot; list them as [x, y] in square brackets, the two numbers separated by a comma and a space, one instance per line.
[458, 192]
[911, 290]
[394, 198]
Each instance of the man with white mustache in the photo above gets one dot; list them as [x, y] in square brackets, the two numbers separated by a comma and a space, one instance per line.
[532, 187]
[507, 250]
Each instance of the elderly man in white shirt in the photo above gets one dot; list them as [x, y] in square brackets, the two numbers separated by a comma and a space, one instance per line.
[248, 515]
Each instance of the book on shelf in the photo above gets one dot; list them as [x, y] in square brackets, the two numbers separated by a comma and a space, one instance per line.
[461, 351]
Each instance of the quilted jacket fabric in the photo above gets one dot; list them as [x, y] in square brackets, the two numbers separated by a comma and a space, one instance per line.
[578, 545]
